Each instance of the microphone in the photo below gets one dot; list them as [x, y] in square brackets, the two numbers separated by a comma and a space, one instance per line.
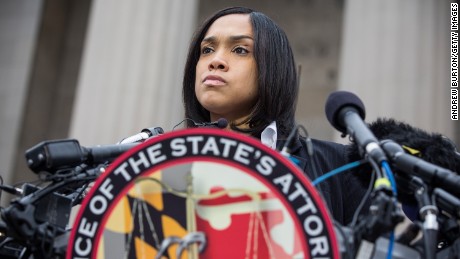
[143, 135]
[106, 153]
[11, 189]
[221, 123]
[53, 155]
[346, 112]
[431, 147]
[428, 172]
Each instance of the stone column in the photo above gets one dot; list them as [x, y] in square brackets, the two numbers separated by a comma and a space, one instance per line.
[131, 74]
[19, 24]
[395, 57]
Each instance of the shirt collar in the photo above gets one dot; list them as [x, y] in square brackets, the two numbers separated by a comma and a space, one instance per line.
[269, 135]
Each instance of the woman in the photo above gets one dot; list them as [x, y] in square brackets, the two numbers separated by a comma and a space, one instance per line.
[240, 67]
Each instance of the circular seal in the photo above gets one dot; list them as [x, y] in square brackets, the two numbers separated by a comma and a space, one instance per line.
[202, 193]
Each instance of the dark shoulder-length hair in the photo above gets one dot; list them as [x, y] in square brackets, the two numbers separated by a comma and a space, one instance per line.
[277, 77]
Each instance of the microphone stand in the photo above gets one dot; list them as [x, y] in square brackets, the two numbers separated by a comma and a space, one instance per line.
[21, 219]
[428, 212]
[384, 214]
[449, 231]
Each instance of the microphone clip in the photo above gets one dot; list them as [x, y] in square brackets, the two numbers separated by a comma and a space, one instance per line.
[220, 123]
[145, 134]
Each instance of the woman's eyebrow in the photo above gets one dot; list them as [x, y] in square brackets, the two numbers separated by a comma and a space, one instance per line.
[209, 39]
[240, 37]
[233, 38]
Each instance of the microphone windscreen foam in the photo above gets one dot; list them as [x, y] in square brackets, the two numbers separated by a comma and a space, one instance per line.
[222, 123]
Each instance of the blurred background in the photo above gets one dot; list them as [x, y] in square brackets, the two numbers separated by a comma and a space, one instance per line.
[101, 70]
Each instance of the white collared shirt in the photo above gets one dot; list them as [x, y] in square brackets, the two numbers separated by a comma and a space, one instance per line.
[269, 135]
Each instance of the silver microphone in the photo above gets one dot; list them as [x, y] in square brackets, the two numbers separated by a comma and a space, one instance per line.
[143, 135]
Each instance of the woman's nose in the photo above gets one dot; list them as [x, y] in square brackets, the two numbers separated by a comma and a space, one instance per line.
[218, 63]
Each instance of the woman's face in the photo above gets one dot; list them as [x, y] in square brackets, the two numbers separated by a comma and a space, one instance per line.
[226, 72]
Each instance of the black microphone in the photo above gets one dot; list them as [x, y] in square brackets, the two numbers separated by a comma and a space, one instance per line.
[11, 189]
[428, 172]
[50, 156]
[143, 135]
[221, 123]
[105, 153]
[345, 111]
[432, 147]
[447, 202]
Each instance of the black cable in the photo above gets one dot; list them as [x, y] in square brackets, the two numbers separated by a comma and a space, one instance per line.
[363, 200]
[25, 254]
[285, 150]
[307, 140]
[83, 188]
[6, 241]
[63, 174]
[182, 121]
[375, 167]
[16, 248]
[36, 182]
[33, 197]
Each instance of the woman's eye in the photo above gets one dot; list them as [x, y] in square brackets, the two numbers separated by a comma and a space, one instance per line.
[240, 50]
[206, 50]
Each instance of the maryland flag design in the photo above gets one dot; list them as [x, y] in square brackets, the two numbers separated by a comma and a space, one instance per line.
[237, 223]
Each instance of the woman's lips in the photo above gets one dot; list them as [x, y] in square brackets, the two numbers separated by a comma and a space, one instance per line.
[214, 80]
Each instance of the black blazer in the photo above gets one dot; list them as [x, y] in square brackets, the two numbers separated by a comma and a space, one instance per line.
[343, 192]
